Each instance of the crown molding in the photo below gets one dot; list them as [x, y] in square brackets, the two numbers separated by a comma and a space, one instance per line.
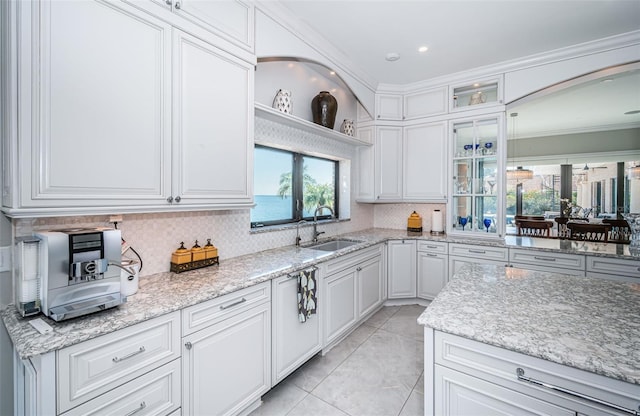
[544, 58]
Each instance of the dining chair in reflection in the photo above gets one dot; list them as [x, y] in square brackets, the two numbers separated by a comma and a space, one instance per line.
[620, 231]
[534, 228]
[585, 231]
[563, 231]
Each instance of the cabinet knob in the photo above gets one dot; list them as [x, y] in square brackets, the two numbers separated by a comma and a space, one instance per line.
[168, 2]
[170, 199]
[358, 269]
[177, 6]
[188, 345]
[178, 199]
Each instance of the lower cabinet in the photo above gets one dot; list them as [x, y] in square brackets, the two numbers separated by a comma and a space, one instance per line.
[545, 261]
[401, 271]
[352, 289]
[293, 342]
[624, 270]
[473, 378]
[227, 365]
[432, 268]
[461, 254]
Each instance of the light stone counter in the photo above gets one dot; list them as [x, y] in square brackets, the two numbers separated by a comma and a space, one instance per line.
[587, 323]
[167, 292]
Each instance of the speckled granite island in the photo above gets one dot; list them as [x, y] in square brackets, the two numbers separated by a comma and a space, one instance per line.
[502, 340]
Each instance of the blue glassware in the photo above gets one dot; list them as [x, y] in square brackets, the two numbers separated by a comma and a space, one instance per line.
[467, 149]
[487, 147]
[487, 223]
[463, 222]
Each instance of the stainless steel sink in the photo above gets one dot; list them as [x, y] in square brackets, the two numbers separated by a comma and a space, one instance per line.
[333, 245]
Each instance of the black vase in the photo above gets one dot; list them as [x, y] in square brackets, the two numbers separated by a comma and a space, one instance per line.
[324, 108]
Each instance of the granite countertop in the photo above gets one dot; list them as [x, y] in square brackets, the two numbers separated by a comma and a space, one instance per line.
[587, 323]
[163, 293]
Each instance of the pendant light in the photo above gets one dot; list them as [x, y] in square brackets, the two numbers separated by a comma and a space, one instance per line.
[519, 174]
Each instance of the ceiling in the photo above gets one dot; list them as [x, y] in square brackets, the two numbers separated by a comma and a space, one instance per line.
[460, 34]
[467, 34]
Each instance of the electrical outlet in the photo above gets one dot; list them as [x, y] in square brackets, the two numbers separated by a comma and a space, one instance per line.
[5, 259]
[115, 218]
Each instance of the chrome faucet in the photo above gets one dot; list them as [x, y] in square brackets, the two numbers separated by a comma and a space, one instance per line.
[316, 233]
[298, 239]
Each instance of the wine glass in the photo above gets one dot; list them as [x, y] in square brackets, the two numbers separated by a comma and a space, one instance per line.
[463, 222]
[487, 223]
[487, 148]
[468, 149]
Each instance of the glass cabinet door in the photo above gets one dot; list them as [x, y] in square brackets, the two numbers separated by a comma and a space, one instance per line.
[476, 176]
[471, 95]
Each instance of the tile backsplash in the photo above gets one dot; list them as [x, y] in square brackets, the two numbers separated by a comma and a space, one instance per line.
[156, 236]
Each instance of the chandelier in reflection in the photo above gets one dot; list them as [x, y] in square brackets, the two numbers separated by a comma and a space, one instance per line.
[519, 174]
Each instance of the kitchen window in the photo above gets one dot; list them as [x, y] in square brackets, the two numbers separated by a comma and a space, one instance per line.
[289, 187]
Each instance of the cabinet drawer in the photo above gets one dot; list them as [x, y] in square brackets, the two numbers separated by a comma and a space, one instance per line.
[499, 366]
[544, 258]
[478, 252]
[608, 265]
[96, 366]
[154, 393]
[351, 260]
[200, 316]
[433, 247]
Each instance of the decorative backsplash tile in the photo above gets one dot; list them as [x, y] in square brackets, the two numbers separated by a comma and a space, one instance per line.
[395, 215]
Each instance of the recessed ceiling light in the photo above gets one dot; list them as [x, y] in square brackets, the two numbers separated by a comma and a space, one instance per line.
[632, 112]
[423, 49]
[606, 80]
[392, 56]
[332, 72]
[476, 85]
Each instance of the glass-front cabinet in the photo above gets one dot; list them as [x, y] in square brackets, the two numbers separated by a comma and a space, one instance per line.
[478, 93]
[476, 176]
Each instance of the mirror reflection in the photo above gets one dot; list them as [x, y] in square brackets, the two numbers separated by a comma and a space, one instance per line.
[574, 151]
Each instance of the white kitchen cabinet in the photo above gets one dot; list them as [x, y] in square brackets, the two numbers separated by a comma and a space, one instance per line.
[341, 311]
[370, 284]
[227, 366]
[425, 162]
[401, 269]
[432, 268]
[461, 254]
[233, 20]
[106, 127]
[366, 184]
[545, 261]
[388, 107]
[471, 377]
[625, 270]
[293, 342]
[476, 94]
[388, 163]
[92, 368]
[425, 103]
[459, 395]
[212, 146]
[476, 176]
[352, 289]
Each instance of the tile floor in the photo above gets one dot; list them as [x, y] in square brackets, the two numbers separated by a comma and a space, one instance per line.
[376, 370]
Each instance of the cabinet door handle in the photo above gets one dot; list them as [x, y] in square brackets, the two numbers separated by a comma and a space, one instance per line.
[358, 269]
[188, 345]
[168, 2]
[431, 255]
[178, 199]
[141, 407]
[177, 6]
[544, 258]
[118, 359]
[223, 307]
[522, 377]
[170, 199]
[477, 251]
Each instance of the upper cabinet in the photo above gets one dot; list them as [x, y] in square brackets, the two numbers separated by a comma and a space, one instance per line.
[477, 147]
[389, 107]
[426, 103]
[476, 94]
[127, 120]
[232, 20]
